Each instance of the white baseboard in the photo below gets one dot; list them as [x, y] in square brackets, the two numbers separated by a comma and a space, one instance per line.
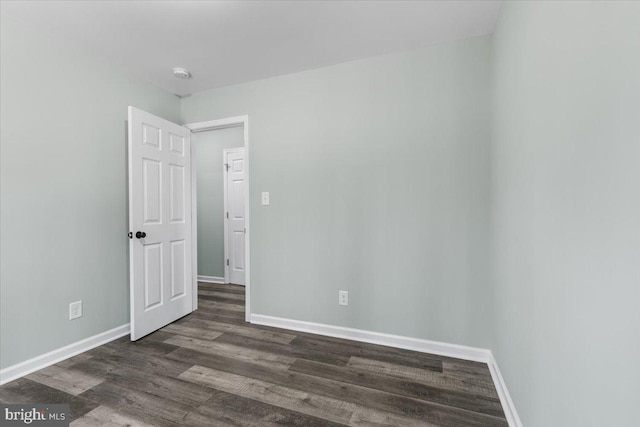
[407, 343]
[505, 398]
[211, 279]
[39, 362]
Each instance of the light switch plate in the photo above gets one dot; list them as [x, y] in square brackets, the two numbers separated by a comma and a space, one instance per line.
[265, 198]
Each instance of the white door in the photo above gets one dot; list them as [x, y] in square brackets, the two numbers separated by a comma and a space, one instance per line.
[159, 221]
[235, 218]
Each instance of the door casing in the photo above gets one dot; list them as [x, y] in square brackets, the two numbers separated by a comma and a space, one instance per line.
[214, 125]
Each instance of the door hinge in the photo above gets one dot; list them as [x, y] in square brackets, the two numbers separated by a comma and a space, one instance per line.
[245, 231]
[226, 165]
[227, 261]
[227, 215]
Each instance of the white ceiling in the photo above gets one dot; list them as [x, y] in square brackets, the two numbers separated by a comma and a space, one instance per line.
[229, 42]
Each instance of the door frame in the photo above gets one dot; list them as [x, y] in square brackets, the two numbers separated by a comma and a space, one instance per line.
[225, 180]
[204, 127]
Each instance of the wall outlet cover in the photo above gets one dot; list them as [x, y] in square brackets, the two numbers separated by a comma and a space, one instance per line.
[75, 310]
[343, 297]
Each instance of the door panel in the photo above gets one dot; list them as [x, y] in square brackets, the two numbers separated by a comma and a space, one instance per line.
[176, 144]
[177, 193]
[159, 206]
[238, 199]
[152, 275]
[152, 191]
[238, 252]
[150, 135]
[178, 270]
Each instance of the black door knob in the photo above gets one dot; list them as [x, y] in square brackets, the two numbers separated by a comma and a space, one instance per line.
[141, 234]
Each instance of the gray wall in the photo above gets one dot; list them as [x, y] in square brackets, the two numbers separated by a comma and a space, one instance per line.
[210, 188]
[63, 214]
[566, 209]
[378, 171]
[389, 178]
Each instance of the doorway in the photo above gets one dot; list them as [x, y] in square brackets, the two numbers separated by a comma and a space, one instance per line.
[220, 198]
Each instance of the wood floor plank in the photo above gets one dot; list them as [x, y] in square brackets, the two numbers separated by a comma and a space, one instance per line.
[228, 364]
[370, 351]
[147, 407]
[116, 357]
[372, 418]
[217, 311]
[403, 387]
[159, 385]
[226, 409]
[287, 350]
[455, 369]
[283, 397]
[225, 316]
[257, 357]
[423, 376]
[188, 331]
[221, 294]
[24, 390]
[245, 331]
[220, 299]
[154, 340]
[204, 303]
[67, 380]
[216, 317]
[104, 416]
[146, 345]
[239, 289]
[73, 360]
[231, 317]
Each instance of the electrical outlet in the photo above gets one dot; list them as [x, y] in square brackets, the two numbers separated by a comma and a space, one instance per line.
[75, 310]
[265, 198]
[343, 297]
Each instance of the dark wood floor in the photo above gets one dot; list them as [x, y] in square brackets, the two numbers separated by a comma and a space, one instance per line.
[213, 369]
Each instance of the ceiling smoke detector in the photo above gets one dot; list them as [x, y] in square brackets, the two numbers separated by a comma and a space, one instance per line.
[181, 73]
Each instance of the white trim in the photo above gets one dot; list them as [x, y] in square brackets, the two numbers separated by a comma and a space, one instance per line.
[407, 343]
[505, 398]
[39, 362]
[211, 279]
[247, 277]
[218, 124]
[130, 217]
[425, 346]
[221, 124]
[194, 228]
